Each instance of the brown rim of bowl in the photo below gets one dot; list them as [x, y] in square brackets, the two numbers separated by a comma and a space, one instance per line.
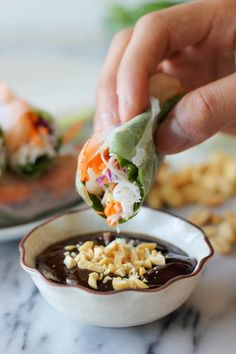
[197, 270]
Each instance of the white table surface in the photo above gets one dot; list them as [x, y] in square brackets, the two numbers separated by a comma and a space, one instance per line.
[204, 325]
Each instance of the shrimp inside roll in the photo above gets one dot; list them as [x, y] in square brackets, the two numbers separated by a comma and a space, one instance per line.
[30, 134]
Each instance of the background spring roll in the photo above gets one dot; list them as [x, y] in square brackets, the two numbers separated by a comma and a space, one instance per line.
[30, 134]
[116, 167]
[2, 153]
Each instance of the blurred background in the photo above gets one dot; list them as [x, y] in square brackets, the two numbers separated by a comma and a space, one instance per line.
[51, 51]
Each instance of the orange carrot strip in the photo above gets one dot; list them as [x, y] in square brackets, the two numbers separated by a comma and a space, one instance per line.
[100, 213]
[96, 163]
[112, 208]
[72, 132]
[43, 130]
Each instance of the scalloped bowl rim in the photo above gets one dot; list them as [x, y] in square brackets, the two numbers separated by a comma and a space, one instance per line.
[197, 269]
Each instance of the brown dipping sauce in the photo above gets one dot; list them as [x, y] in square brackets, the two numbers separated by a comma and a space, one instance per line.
[50, 262]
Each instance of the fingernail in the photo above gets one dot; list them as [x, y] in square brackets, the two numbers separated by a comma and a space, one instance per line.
[125, 104]
[170, 138]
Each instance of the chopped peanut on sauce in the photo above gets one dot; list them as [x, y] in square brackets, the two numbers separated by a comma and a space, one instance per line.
[123, 260]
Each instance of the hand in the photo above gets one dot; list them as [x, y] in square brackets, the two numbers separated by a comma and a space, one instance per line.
[195, 42]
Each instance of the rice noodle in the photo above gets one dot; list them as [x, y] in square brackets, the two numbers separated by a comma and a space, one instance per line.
[124, 192]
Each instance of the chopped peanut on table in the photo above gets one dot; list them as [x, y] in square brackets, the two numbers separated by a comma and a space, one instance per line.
[220, 229]
[208, 184]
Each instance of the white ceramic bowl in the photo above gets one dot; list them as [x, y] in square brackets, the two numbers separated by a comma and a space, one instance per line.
[117, 308]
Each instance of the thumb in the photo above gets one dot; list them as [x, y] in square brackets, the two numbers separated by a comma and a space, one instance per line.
[199, 115]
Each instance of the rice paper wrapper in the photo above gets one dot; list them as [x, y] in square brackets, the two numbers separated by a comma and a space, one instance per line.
[134, 142]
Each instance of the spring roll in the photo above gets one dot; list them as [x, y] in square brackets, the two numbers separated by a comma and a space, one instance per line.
[2, 153]
[31, 135]
[116, 167]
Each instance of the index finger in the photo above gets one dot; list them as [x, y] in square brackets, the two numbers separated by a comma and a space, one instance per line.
[157, 36]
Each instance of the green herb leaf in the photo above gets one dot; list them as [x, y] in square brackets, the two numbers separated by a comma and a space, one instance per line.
[97, 205]
[132, 169]
[168, 105]
[132, 172]
[36, 169]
